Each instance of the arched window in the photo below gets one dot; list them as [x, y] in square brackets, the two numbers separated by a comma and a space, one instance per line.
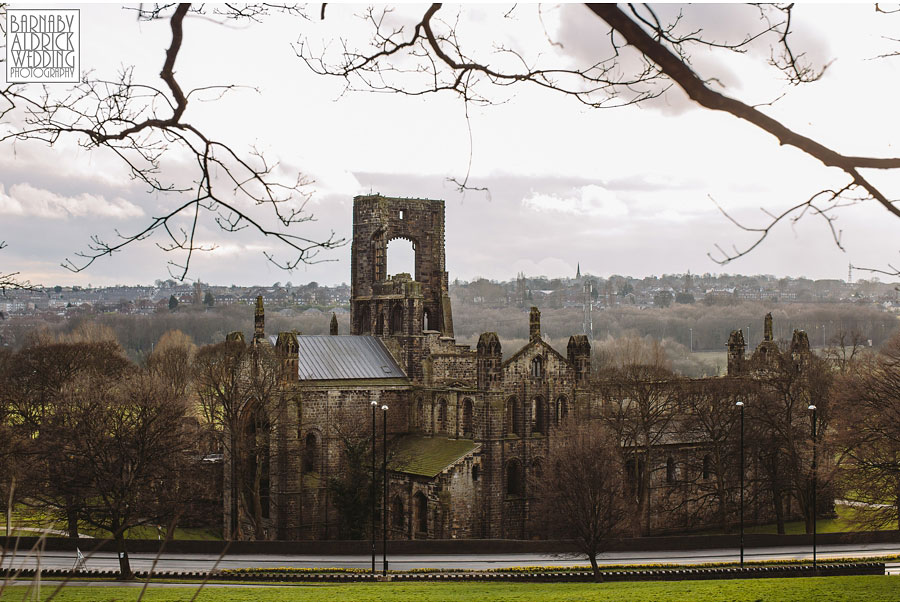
[634, 477]
[379, 324]
[513, 417]
[401, 257]
[467, 412]
[420, 506]
[707, 463]
[562, 410]
[537, 469]
[670, 470]
[476, 472]
[514, 478]
[397, 320]
[538, 416]
[442, 416]
[537, 367]
[397, 513]
[311, 453]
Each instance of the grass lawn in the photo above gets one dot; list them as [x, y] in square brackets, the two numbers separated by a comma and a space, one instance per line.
[842, 523]
[141, 532]
[35, 519]
[839, 588]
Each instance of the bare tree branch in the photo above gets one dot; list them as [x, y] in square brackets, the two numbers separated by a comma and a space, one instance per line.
[428, 58]
[142, 124]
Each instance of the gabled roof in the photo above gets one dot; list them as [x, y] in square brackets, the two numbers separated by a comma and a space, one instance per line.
[328, 357]
[529, 345]
[419, 455]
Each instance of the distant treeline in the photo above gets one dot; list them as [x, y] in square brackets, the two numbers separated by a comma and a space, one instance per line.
[138, 333]
[707, 326]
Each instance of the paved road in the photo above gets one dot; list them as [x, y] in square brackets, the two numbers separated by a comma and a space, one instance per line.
[191, 562]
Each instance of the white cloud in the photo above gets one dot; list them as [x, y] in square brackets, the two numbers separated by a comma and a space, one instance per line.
[27, 200]
[590, 200]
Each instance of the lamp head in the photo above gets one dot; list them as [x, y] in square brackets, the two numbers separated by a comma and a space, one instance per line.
[374, 402]
[739, 403]
[384, 407]
[812, 407]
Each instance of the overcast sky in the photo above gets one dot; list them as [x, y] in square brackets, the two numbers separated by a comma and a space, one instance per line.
[622, 191]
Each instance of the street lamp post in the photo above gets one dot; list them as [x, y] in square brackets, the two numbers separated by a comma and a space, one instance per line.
[384, 501]
[812, 407]
[691, 329]
[374, 404]
[740, 405]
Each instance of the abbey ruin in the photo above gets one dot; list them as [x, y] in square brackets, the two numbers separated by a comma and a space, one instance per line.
[467, 430]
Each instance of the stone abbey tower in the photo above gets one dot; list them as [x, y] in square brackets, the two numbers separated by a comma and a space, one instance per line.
[403, 307]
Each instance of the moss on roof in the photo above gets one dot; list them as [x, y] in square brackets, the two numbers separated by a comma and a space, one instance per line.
[419, 455]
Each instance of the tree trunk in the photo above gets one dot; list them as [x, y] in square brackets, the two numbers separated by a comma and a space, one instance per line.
[125, 572]
[779, 511]
[598, 577]
[722, 496]
[645, 495]
[72, 521]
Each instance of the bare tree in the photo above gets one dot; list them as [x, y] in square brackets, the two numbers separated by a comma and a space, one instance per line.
[141, 124]
[580, 492]
[351, 490]
[122, 444]
[645, 55]
[845, 350]
[33, 383]
[709, 415]
[868, 426]
[640, 406]
[171, 363]
[239, 390]
[782, 430]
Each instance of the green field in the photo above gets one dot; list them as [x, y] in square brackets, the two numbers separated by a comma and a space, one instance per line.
[841, 588]
[29, 521]
[844, 522]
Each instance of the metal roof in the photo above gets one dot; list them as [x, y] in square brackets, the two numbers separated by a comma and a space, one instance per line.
[324, 357]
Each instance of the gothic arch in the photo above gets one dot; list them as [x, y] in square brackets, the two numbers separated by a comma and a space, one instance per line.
[311, 453]
[398, 519]
[537, 367]
[562, 410]
[468, 422]
[538, 415]
[512, 417]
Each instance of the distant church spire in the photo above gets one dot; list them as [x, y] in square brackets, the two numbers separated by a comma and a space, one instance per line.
[578, 271]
